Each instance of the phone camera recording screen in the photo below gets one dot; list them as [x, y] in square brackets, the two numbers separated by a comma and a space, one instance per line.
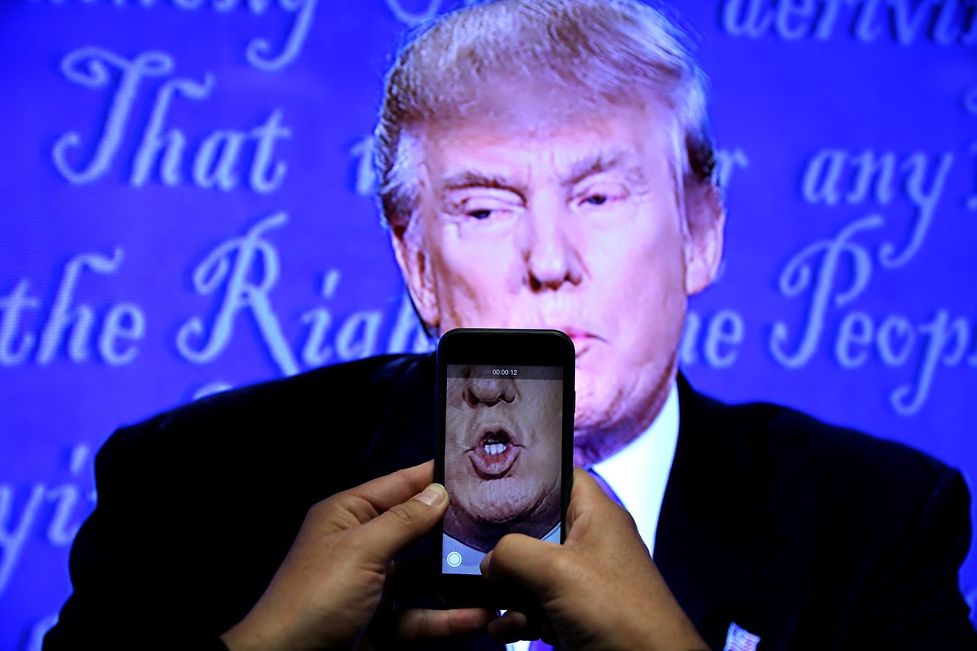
[503, 438]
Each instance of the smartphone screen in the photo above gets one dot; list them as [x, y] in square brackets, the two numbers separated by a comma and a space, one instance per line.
[503, 450]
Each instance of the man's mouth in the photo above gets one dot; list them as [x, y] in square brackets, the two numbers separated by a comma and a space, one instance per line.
[494, 454]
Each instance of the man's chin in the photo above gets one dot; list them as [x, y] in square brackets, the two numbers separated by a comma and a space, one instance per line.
[499, 502]
[483, 526]
[594, 395]
[592, 442]
[588, 418]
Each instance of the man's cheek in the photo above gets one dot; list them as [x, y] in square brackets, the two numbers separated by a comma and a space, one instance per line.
[453, 427]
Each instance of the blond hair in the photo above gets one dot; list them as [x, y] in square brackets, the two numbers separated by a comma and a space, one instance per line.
[612, 50]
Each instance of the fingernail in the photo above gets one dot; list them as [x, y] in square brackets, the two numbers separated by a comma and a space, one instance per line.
[433, 495]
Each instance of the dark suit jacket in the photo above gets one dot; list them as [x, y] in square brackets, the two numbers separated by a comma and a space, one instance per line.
[806, 535]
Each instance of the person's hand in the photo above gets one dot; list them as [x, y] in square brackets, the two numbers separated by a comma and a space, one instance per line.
[330, 584]
[599, 590]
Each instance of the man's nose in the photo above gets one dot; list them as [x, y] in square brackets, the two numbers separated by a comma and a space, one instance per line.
[551, 254]
[489, 391]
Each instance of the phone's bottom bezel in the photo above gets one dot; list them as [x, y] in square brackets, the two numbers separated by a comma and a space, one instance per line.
[469, 591]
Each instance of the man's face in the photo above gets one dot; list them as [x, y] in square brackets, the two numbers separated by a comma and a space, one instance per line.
[502, 454]
[574, 224]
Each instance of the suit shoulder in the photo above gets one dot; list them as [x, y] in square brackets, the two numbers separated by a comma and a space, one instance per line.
[847, 446]
[305, 391]
[276, 414]
[847, 463]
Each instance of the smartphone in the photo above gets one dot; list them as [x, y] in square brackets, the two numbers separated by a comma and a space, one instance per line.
[505, 455]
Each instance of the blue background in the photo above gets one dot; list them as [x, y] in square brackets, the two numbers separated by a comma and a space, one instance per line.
[891, 350]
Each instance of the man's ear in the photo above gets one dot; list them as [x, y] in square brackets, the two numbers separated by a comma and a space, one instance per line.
[705, 219]
[416, 268]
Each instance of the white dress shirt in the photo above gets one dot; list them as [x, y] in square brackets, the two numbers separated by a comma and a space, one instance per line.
[638, 475]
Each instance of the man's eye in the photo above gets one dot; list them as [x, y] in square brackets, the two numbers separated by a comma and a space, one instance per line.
[482, 206]
[489, 214]
[604, 196]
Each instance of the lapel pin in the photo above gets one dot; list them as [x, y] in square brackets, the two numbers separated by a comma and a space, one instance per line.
[740, 639]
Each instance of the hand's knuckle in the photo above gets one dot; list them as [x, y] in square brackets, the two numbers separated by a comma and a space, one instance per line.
[322, 506]
[403, 516]
[564, 564]
[504, 549]
[628, 519]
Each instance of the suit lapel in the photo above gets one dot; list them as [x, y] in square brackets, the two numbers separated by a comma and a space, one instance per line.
[731, 543]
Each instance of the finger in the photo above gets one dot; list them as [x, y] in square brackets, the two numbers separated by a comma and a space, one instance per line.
[586, 496]
[397, 487]
[403, 523]
[422, 623]
[524, 561]
[512, 627]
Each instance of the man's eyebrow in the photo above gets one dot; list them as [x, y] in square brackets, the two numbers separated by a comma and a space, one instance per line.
[578, 171]
[473, 179]
[599, 163]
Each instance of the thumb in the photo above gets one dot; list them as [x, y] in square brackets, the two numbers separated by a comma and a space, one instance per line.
[520, 560]
[404, 523]
[587, 497]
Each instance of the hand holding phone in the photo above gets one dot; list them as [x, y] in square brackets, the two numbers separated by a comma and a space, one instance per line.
[328, 591]
[599, 591]
[506, 444]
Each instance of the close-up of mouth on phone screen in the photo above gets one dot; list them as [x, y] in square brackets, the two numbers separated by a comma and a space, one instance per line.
[502, 458]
